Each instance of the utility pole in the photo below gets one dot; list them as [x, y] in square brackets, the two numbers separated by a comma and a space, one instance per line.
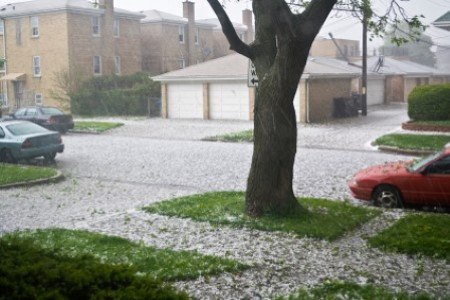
[365, 20]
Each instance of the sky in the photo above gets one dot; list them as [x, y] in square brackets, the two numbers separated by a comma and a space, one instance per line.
[341, 25]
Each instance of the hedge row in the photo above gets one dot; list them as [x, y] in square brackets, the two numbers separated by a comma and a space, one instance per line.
[28, 272]
[135, 95]
[429, 103]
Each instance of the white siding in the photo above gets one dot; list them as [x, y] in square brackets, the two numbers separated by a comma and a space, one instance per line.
[229, 101]
[185, 101]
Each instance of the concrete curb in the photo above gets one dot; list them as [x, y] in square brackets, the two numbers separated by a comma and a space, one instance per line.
[415, 152]
[58, 177]
[84, 132]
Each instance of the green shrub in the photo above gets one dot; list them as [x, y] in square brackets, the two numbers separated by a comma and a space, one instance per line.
[117, 95]
[429, 103]
[28, 272]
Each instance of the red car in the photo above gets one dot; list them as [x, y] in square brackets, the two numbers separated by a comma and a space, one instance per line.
[423, 182]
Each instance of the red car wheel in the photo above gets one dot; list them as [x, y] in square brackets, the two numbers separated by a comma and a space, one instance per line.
[387, 197]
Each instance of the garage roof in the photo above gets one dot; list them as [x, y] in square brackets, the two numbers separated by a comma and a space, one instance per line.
[235, 67]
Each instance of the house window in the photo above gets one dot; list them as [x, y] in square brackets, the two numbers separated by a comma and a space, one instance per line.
[36, 66]
[2, 65]
[181, 34]
[116, 28]
[3, 100]
[117, 65]
[197, 35]
[38, 99]
[182, 63]
[2, 27]
[34, 24]
[96, 26]
[18, 31]
[97, 63]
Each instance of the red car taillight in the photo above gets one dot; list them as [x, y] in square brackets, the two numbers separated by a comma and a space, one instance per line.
[27, 144]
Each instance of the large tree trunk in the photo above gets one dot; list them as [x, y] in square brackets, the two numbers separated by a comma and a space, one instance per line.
[279, 52]
[269, 186]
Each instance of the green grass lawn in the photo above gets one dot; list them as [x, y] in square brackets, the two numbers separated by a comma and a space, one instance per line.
[10, 174]
[425, 234]
[352, 291]
[414, 141]
[236, 137]
[156, 263]
[98, 127]
[323, 219]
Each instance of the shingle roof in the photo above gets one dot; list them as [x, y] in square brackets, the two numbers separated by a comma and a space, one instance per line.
[157, 16]
[399, 67]
[43, 6]
[215, 22]
[235, 67]
[443, 18]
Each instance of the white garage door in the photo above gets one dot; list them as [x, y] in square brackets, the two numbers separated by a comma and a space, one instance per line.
[185, 101]
[229, 101]
[375, 91]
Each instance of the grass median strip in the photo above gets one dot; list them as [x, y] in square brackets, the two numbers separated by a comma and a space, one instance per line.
[323, 219]
[236, 137]
[99, 127]
[424, 234]
[162, 264]
[413, 141]
[11, 174]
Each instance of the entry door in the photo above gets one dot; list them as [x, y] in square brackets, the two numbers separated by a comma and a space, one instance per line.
[18, 92]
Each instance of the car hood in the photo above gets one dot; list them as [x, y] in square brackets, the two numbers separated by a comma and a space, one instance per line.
[387, 169]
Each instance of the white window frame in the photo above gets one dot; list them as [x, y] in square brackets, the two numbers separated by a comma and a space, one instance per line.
[38, 99]
[18, 25]
[37, 71]
[116, 28]
[96, 26]
[97, 60]
[34, 26]
[182, 62]
[181, 34]
[117, 65]
[197, 36]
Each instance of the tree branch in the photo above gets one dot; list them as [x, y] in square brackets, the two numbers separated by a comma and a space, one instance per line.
[315, 15]
[236, 43]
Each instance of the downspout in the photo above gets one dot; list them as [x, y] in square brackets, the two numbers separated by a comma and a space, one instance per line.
[307, 99]
[4, 57]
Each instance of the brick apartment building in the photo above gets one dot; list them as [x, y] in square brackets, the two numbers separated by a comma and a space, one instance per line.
[42, 39]
[171, 42]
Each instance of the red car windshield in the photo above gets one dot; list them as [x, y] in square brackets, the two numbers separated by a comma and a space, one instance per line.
[419, 163]
[25, 128]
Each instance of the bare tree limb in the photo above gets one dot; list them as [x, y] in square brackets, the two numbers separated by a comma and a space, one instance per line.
[236, 43]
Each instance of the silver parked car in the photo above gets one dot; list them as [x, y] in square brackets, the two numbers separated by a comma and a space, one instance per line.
[26, 140]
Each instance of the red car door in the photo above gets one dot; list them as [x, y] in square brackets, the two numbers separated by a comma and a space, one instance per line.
[438, 177]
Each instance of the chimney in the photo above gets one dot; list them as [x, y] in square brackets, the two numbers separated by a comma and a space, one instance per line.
[108, 36]
[189, 13]
[247, 20]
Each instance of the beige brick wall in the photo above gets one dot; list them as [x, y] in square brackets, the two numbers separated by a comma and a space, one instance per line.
[162, 51]
[321, 95]
[51, 46]
[325, 47]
